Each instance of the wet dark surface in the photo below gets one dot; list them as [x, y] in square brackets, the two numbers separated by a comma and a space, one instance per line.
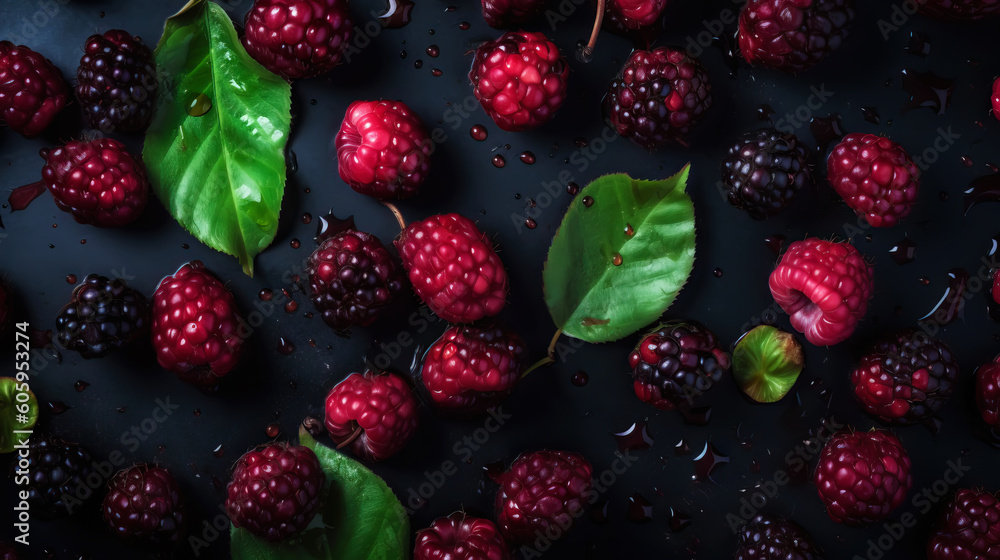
[691, 476]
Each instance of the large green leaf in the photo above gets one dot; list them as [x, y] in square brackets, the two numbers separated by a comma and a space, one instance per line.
[360, 519]
[16, 413]
[621, 255]
[215, 150]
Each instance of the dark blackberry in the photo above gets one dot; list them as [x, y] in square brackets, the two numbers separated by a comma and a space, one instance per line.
[658, 97]
[676, 364]
[57, 469]
[144, 504]
[793, 35]
[906, 378]
[764, 170]
[352, 278]
[116, 82]
[769, 537]
[102, 316]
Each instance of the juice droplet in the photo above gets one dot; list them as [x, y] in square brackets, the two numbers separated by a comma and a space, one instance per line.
[707, 462]
[433, 51]
[418, 64]
[588, 201]
[71, 278]
[903, 252]
[825, 130]
[530, 223]
[199, 105]
[967, 161]
[774, 243]
[635, 438]
[285, 347]
[951, 306]
[678, 520]
[629, 230]
[572, 189]
[682, 447]
[436, 72]
[307, 218]
[871, 115]
[764, 112]
[272, 430]
[219, 451]
[640, 510]
[196, 412]
[982, 189]
[266, 294]
[580, 379]
[185, 246]
[291, 306]
[478, 132]
[80, 386]
[599, 512]
[57, 407]
[925, 281]
[527, 158]
[499, 161]
[83, 242]
[717, 272]
[397, 13]
[464, 26]
[927, 90]
[617, 259]
[919, 45]
[295, 243]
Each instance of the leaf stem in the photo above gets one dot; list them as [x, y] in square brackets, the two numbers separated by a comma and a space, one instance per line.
[540, 363]
[589, 49]
[552, 345]
[395, 212]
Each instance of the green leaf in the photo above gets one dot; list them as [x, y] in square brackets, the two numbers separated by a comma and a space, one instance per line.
[15, 413]
[215, 150]
[616, 265]
[766, 363]
[360, 518]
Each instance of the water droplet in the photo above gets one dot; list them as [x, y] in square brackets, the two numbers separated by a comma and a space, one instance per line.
[951, 306]
[71, 278]
[588, 201]
[530, 223]
[764, 112]
[101, 14]
[307, 218]
[291, 306]
[436, 72]
[572, 189]
[640, 510]
[80, 386]
[219, 451]
[527, 158]
[313, 101]
[433, 51]
[580, 379]
[617, 259]
[295, 243]
[418, 64]
[635, 438]
[708, 461]
[397, 13]
[967, 161]
[291, 162]
[57, 407]
[499, 161]
[478, 132]
[402, 54]
[871, 115]
[629, 230]
[200, 105]
[903, 252]
[83, 242]
[464, 26]
[196, 412]
[919, 45]
[185, 246]
[272, 430]
[717, 272]
[927, 90]
[678, 520]
[682, 447]
[265, 294]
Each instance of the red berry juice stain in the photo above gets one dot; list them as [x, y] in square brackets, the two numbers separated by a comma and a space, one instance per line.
[919, 44]
[307, 218]
[273, 430]
[588, 201]
[285, 347]
[436, 72]
[635, 438]
[530, 223]
[499, 161]
[478, 132]
[764, 112]
[580, 379]
[57, 407]
[397, 13]
[266, 294]
[682, 447]
[678, 520]
[219, 451]
[71, 278]
[572, 189]
[927, 90]
[707, 462]
[464, 26]
[433, 51]
[717, 272]
[295, 243]
[967, 161]
[617, 259]
[871, 115]
[80, 386]
[640, 510]
[951, 306]
[904, 252]
[774, 243]
[982, 189]
[826, 130]
[527, 158]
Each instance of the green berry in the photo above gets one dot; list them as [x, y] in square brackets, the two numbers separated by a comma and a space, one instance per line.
[766, 363]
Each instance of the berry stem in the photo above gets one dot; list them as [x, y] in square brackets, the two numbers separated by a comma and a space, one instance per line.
[589, 49]
[350, 440]
[550, 358]
[395, 212]
[552, 345]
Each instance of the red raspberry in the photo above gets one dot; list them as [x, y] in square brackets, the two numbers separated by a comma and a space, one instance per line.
[988, 392]
[375, 414]
[793, 35]
[32, 90]
[520, 79]
[676, 364]
[144, 504]
[542, 494]
[453, 268]
[116, 82]
[824, 287]
[969, 529]
[96, 181]
[471, 369]
[658, 97]
[275, 490]
[862, 477]
[996, 94]
[875, 176]
[196, 326]
[383, 149]
[352, 278]
[460, 537]
[298, 38]
[641, 19]
[507, 13]
[906, 378]
[959, 9]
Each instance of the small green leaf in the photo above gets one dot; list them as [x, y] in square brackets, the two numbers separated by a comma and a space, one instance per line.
[215, 150]
[766, 363]
[360, 518]
[16, 413]
[623, 252]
